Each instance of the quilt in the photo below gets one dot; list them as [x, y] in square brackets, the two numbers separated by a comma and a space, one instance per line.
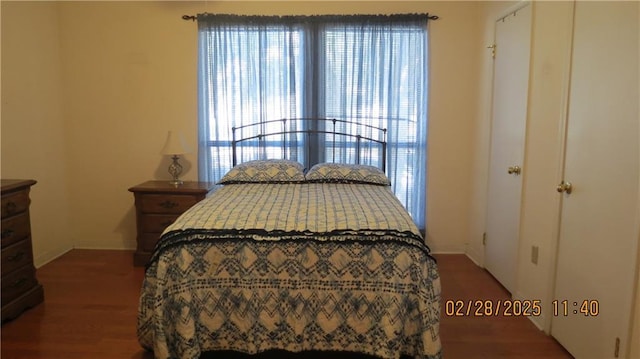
[297, 266]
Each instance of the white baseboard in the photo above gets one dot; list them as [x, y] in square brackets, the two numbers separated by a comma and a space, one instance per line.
[536, 320]
[107, 245]
[44, 258]
[105, 248]
[49, 256]
[475, 258]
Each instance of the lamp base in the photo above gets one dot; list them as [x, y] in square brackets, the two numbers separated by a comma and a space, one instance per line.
[175, 169]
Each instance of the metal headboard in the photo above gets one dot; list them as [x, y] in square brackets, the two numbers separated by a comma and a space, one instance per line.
[314, 126]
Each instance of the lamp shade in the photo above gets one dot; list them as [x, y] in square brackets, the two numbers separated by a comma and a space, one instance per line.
[175, 144]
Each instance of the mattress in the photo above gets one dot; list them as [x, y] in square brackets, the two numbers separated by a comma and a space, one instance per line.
[296, 267]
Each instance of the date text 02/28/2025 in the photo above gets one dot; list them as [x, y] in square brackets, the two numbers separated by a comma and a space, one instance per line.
[516, 308]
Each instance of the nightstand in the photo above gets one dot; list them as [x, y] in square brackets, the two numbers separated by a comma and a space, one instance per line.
[20, 288]
[158, 204]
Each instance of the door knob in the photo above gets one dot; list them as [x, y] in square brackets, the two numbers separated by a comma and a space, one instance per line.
[566, 187]
[514, 170]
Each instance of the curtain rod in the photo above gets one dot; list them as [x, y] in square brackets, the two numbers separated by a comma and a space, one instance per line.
[195, 17]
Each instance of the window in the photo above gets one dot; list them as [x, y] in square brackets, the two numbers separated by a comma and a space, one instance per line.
[368, 69]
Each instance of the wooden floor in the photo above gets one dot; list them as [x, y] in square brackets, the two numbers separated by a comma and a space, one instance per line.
[91, 305]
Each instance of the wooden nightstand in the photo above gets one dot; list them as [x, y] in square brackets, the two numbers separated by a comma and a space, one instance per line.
[20, 288]
[158, 204]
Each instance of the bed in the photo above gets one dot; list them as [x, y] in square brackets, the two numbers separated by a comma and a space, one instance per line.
[280, 261]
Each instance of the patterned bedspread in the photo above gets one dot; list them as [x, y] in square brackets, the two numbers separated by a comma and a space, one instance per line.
[299, 266]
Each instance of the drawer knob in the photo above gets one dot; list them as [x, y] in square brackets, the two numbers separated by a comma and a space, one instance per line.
[6, 233]
[10, 207]
[168, 204]
[19, 283]
[16, 257]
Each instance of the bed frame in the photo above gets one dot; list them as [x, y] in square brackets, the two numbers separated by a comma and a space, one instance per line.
[260, 131]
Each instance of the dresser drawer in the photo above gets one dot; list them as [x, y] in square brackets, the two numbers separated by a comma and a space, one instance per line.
[159, 203]
[17, 282]
[14, 203]
[14, 229]
[156, 223]
[16, 256]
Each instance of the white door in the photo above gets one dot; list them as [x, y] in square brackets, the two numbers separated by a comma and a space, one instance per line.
[598, 240]
[510, 92]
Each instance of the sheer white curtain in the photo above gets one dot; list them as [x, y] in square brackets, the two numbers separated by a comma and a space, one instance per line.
[248, 73]
[367, 69]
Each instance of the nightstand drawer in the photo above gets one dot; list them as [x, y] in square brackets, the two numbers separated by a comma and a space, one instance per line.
[156, 203]
[18, 282]
[16, 256]
[156, 223]
[14, 203]
[14, 229]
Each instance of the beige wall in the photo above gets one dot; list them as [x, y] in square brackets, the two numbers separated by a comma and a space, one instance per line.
[130, 76]
[125, 73]
[34, 138]
[635, 332]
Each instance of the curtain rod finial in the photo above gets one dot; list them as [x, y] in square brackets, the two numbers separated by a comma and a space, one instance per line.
[189, 17]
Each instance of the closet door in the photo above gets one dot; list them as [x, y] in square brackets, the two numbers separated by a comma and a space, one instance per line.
[510, 94]
[597, 247]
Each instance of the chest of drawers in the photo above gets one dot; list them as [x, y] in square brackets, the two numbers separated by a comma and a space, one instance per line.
[20, 288]
[158, 204]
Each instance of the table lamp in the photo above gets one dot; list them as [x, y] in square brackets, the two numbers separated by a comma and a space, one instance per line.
[174, 147]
